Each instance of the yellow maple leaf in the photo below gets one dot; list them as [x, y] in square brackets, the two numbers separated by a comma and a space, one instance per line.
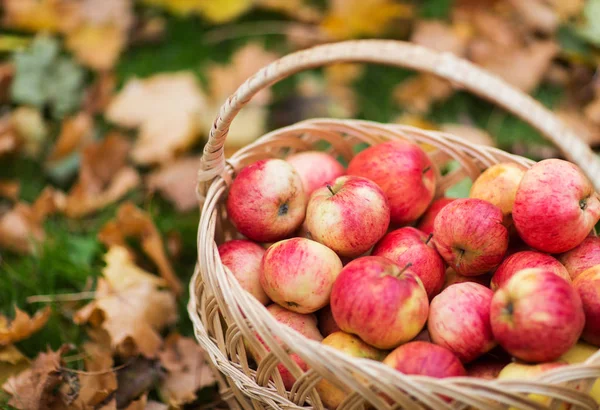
[98, 46]
[215, 11]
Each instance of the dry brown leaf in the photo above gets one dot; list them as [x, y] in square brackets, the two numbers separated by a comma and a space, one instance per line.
[176, 181]
[130, 306]
[99, 93]
[588, 130]
[418, 93]
[7, 71]
[131, 221]
[592, 110]
[537, 14]
[34, 388]
[9, 141]
[10, 189]
[12, 362]
[154, 405]
[74, 131]
[439, 36]
[22, 326]
[167, 109]
[139, 404]
[99, 381]
[30, 128]
[104, 176]
[187, 370]
[470, 133]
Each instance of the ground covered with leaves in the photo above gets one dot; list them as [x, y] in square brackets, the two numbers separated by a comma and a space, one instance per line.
[105, 107]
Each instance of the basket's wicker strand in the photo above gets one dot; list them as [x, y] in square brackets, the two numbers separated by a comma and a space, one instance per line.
[228, 322]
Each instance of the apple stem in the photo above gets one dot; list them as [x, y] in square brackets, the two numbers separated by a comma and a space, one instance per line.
[330, 189]
[429, 238]
[426, 169]
[408, 265]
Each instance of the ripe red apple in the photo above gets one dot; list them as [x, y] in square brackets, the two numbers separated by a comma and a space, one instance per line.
[298, 274]
[409, 245]
[243, 260]
[381, 303]
[404, 172]
[555, 207]
[331, 395]
[426, 222]
[326, 321]
[582, 257]
[588, 285]
[486, 367]
[266, 201]
[316, 169]
[305, 325]
[459, 320]
[469, 235]
[425, 359]
[452, 277]
[527, 259]
[537, 315]
[349, 216]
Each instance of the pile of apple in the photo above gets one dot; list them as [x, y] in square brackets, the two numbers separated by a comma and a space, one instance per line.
[504, 283]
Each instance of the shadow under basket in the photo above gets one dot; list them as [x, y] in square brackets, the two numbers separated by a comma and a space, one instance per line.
[228, 321]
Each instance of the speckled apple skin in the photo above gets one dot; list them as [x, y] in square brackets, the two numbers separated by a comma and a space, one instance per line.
[404, 172]
[351, 220]
[537, 315]
[315, 169]
[587, 285]
[459, 320]
[257, 198]
[527, 259]
[372, 300]
[548, 206]
[408, 245]
[582, 257]
[425, 359]
[243, 258]
[298, 274]
[498, 185]
[470, 236]
[427, 220]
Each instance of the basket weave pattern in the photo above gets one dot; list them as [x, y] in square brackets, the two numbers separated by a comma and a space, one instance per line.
[228, 321]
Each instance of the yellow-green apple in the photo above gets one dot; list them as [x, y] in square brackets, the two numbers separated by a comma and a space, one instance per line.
[452, 277]
[527, 259]
[529, 372]
[469, 235]
[266, 201]
[404, 172]
[498, 185]
[331, 395]
[459, 320]
[537, 315]
[579, 354]
[316, 169]
[305, 325]
[348, 216]
[582, 257]
[426, 359]
[587, 285]
[378, 301]
[486, 367]
[326, 321]
[298, 274]
[426, 222]
[243, 260]
[409, 245]
[555, 206]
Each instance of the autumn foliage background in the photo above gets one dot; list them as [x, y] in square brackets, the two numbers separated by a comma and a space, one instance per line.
[104, 109]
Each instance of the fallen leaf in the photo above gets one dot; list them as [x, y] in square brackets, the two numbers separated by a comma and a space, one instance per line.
[74, 131]
[538, 14]
[12, 362]
[39, 15]
[31, 130]
[224, 10]
[297, 9]
[139, 404]
[133, 222]
[154, 405]
[440, 36]
[34, 388]
[97, 47]
[470, 133]
[134, 380]
[176, 181]
[99, 94]
[418, 93]
[9, 141]
[10, 189]
[7, 72]
[583, 126]
[99, 380]
[166, 108]
[22, 326]
[187, 370]
[592, 110]
[130, 306]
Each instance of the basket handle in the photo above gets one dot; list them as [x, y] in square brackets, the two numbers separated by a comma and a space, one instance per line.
[400, 54]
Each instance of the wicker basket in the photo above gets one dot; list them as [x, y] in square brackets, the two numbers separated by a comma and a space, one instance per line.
[227, 320]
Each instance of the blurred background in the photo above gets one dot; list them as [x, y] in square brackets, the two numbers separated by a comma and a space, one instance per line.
[105, 106]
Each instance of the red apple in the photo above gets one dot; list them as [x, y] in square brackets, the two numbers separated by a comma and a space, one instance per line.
[266, 201]
[331, 395]
[537, 315]
[426, 222]
[459, 320]
[381, 303]
[349, 216]
[425, 359]
[316, 169]
[555, 207]
[298, 274]
[243, 260]
[486, 367]
[452, 277]
[326, 321]
[404, 172]
[527, 259]
[588, 285]
[409, 245]
[469, 235]
[582, 257]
